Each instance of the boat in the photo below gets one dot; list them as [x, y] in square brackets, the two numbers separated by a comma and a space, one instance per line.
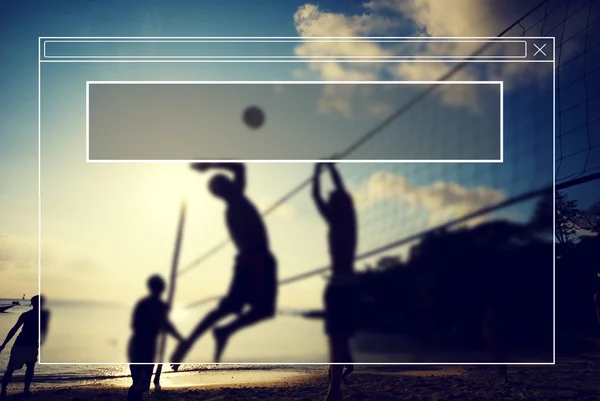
[4, 308]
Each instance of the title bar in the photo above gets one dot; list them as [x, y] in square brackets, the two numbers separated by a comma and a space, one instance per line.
[292, 49]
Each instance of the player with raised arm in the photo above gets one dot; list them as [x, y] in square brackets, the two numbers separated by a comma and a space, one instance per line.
[340, 294]
[255, 273]
[26, 347]
[150, 319]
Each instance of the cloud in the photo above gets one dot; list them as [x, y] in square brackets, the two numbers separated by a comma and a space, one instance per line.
[21, 254]
[466, 18]
[82, 264]
[17, 253]
[382, 109]
[311, 21]
[442, 201]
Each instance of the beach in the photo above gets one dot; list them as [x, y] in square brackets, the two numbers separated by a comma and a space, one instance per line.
[574, 377]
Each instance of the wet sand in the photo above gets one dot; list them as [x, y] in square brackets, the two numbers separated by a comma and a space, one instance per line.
[575, 377]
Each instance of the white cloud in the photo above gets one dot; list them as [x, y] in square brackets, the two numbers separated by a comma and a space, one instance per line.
[382, 109]
[462, 18]
[466, 18]
[442, 201]
[17, 253]
[310, 21]
[19, 265]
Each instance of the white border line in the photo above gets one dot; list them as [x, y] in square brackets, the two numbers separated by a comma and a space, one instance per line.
[87, 119]
[300, 38]
[501, 120]
[39, 204]
[554, 199]
[311, 363]
[295, 39]
[553, 61]
[295, 61]
[412, 40]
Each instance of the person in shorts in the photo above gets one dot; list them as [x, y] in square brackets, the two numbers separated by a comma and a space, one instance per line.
[150, 319]
[25, 349]
[254, 281]
[340, 293]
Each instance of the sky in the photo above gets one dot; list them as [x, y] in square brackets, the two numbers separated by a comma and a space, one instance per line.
[106, 227]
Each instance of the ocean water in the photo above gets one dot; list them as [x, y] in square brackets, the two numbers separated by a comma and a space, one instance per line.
[87, 342]
[99, 333]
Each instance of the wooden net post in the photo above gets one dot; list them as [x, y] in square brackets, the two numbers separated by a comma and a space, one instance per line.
[171, 292]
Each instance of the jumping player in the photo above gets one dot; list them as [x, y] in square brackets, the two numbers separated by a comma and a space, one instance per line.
[255, 273]
[340, 296]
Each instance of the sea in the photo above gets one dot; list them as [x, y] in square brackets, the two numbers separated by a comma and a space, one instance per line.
[87, 342]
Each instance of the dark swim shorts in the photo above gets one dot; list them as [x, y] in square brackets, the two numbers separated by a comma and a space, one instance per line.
[254, 283]
[340, 308]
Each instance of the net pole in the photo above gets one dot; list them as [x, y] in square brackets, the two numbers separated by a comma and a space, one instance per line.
[171, 292]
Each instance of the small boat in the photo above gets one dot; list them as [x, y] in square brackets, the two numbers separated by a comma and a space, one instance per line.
[16, 303]
[4, 308]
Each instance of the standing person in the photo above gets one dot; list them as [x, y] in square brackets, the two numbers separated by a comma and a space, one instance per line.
[26, 347]
[340, 296]
[150, 318]
[255, 273]
[493, 336]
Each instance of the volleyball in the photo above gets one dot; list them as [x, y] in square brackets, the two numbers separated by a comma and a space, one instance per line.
[254, 117]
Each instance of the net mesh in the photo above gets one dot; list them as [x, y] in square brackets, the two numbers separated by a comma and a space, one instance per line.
[406, 203]
[399, 201]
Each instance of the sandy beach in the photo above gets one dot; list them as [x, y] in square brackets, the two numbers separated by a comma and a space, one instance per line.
[574, 377]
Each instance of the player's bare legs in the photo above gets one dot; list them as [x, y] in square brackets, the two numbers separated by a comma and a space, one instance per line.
[30, 367]
[5, 380]
[205, 324]
[339, 353]
[222, 334]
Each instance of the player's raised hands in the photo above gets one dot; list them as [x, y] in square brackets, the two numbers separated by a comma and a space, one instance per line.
[201, 167]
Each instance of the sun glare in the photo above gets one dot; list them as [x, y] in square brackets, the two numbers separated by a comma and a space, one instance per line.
[168, 185]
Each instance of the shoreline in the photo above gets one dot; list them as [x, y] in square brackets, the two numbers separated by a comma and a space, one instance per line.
[572, 378]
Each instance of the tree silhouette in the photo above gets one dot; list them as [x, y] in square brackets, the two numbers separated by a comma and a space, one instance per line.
[567, 216]
[589, 219]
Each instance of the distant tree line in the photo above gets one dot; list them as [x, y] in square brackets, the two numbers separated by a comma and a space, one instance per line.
[451, 278]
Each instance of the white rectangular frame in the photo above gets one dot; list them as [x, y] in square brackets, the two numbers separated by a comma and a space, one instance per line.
[296, 40]
[41, 40]
[87, 120]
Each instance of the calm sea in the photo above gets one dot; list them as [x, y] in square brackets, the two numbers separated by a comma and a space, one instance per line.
[89, 341]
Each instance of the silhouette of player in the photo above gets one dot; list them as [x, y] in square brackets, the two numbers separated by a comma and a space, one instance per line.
[493, 337]
[150, 319]
[255, 273]
[26, 347]
[340, 294]
[347, 370]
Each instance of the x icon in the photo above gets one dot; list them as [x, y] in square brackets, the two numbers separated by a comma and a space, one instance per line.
[540, 49]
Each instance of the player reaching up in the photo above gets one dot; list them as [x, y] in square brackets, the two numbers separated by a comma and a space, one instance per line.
[340, 294]
[255, 272]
